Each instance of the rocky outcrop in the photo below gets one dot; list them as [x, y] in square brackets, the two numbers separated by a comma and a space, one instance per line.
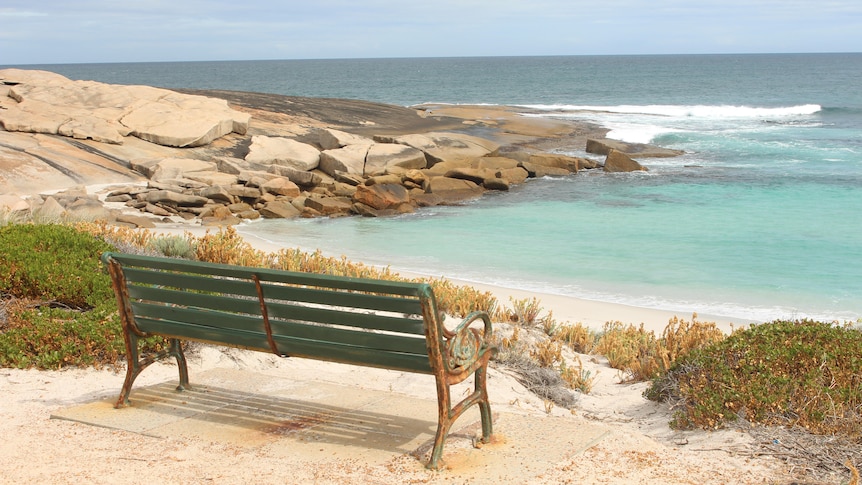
[266, 150]
[43, 102]
[639, 150]
[620, 162]
[281, 166]
[443, 147]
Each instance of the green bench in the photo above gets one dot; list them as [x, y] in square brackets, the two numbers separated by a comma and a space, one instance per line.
[377, 323]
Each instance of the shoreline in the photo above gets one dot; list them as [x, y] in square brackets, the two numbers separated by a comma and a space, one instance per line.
[566, 309]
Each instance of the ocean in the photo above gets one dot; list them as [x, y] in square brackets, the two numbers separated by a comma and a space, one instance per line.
[760, 219]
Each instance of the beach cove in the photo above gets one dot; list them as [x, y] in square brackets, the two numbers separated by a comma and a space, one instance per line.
[662, 456]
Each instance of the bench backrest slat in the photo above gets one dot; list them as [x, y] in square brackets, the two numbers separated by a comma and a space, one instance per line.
[201, 300]
[348, 336]
[327, 296]
[186, 281]
[203, 333]
[400, 323]
[209, 319]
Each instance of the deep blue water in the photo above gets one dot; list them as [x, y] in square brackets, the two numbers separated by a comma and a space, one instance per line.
[759, 220]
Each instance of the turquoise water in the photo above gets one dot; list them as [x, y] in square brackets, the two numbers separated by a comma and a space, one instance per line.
[759, 220]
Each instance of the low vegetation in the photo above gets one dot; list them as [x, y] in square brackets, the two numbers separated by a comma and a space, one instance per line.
[58, 309]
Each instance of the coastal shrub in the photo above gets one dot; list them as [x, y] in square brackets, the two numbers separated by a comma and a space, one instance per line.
[577, 377]
[59, 307]
[643, 356]
[53, 263]
[461, 300]
[798, 373]
[525, 311]
[174, 246]
[580, 338]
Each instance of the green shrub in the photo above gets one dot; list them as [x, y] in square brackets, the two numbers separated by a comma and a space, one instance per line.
[801, 373]
[59, 308]
[53, 263]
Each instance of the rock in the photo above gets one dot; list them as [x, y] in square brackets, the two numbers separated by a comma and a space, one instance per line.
[218, 194]
[517, 175]
[13, 203]
[538, 171]
[329, 205]
[220, 221]
[49, 209]
[383, 156]
[350, 159]
[496, 184]
[136, 221]
[244, 192]
[620, 162]
[330, 139]
[120, 198]
[87, 209]
[381, 196]
[281, 186]
[495, 163]
[384, 179]
[210, 177]
[255, 178]
[426, 199]
[42, 102]
[175, 199]
[604, 147]
[349, 178]
[157, 211]
[453, 190]
[171, 168]
[476, 175]
[182, 120]
[571, 164]
[414, 176]
[343, 190]
[269, 150]
[238, 207]
[299, 177]
[279, 209]
[234, 166]
[441, 147]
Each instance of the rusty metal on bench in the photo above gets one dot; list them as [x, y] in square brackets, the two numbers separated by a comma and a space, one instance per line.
[377, 323]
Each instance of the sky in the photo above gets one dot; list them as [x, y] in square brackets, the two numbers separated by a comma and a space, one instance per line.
[88, 31]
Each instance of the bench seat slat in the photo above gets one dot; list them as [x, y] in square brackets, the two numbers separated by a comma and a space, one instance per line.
[292, 346]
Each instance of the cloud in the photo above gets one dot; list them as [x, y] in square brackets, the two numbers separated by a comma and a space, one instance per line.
[54, 31]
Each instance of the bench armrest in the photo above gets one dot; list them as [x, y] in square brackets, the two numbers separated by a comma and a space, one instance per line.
[465, 345]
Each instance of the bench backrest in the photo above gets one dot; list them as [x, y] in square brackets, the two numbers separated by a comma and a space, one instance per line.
[353, 320]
